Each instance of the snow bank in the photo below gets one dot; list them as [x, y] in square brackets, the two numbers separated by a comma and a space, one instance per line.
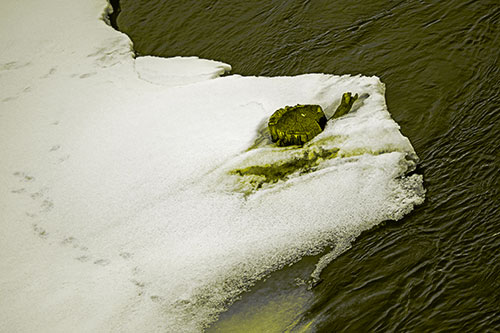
[178, 71]
[129, 205]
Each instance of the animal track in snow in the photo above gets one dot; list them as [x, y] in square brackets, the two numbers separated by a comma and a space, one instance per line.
[82, 258]
[50, 73]
[125, 255]
[54, 148]
[40, 210]
[23, 177]
[39, 231]
[102, 262]
[13, 65]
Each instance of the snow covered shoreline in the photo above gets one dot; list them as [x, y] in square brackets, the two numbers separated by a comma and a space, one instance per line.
[118, 211]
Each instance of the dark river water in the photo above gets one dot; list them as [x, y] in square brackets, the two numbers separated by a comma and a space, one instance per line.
[438, 269]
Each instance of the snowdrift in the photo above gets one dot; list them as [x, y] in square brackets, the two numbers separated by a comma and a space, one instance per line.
[123, 202]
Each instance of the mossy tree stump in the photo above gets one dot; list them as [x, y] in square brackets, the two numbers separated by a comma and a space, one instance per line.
[296, 125]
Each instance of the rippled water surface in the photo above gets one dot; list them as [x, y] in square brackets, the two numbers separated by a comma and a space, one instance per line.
[438, 268]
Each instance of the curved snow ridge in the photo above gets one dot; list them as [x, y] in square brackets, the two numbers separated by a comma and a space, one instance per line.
[178, 71]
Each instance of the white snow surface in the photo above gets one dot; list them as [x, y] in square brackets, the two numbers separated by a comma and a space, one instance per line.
[178, 71]
[119, 209]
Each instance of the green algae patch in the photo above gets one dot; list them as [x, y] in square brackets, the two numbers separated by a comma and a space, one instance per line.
[308, 161]
[257, 175]
[362, 151]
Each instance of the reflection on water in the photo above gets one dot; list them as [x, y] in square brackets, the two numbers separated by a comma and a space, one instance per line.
[439, 267]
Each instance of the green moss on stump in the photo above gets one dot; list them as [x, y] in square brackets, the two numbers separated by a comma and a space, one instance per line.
[296, 125]
[345, 105]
